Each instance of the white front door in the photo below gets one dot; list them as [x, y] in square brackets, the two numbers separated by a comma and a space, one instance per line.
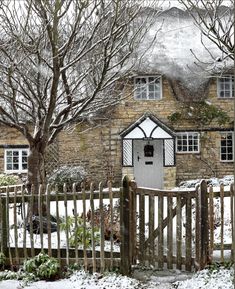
[148, 163]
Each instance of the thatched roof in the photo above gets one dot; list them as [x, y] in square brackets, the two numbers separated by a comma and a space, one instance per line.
[183, 93]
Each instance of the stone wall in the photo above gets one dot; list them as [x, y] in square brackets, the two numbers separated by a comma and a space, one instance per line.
[169, 177]
[97, 149]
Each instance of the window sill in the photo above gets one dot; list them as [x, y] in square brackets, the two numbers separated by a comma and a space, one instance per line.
[147, 99]
[182, 153]
[16, 172]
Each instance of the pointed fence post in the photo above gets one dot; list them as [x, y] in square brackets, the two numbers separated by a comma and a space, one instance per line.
[133, 222]
[125, 227]
[3, 225]
[202, 228]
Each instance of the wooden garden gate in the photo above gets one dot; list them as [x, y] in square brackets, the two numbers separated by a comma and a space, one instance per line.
[164, 229]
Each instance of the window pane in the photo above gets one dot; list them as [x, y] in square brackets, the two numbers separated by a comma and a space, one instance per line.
[24, 166]
[223, 150]
[9, 166]
[151, 95]
[15, 159]
[230, 157]
[9, 159]
[24, 160]
[15, 166]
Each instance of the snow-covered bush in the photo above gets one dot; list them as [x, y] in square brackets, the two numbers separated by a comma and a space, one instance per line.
[68, 175]
[42, 266]
[215, 182]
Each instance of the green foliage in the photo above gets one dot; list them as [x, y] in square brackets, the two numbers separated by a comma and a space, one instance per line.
[175, 117]
[76, 233]
[202, 113]
[216, 266]
[8, 180]
[42, 266]
[2, 259]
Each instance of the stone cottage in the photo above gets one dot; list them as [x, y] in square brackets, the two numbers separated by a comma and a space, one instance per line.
[160, 134]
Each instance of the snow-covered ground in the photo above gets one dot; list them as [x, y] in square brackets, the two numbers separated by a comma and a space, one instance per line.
[218, 279]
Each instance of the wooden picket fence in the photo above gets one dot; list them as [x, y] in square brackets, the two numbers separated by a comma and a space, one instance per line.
[221, 216]
[20, 239]
[158, 228]
[178, 228]
[165, 232]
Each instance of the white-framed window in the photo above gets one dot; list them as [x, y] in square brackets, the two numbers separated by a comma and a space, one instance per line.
[187, 142]
[148, 87]
[226, 146]
[16, 160]
[225, 86]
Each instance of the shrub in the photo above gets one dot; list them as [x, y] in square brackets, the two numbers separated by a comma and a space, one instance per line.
[76, 232]
[2, 260]
[7, 180]
[42, 266]
[68, 175]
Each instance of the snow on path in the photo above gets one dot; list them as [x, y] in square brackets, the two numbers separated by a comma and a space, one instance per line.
[221, 279]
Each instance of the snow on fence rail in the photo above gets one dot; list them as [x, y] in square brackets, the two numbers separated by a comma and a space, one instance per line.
[26, 235]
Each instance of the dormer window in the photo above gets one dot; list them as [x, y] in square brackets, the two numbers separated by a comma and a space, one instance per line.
[148, 88]
[225, 86]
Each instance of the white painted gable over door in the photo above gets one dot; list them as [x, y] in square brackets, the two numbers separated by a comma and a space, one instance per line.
[148, 147]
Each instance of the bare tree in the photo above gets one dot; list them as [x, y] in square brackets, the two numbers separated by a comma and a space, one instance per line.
[215, 21]
[59, 62]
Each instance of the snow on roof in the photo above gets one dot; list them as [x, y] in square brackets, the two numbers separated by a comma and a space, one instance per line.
[178, 41]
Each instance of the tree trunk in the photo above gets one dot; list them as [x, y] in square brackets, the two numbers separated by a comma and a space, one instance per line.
[36, 171]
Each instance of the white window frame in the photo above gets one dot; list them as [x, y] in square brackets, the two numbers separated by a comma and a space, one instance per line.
[136, 92]
[230, 90]
[226, 153]
[20, 157]
[187, 134]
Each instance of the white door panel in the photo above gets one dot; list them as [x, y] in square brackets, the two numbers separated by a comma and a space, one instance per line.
[148, 170]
